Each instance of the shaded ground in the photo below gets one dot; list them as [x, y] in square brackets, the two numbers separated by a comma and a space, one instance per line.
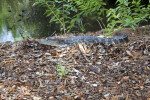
[32, 71]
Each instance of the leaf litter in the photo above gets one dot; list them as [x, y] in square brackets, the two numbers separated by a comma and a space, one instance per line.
[29, 70]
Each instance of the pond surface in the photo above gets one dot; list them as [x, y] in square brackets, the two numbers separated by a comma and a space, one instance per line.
[19, 19]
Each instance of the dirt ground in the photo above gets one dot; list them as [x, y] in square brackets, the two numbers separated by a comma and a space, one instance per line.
[32, 71]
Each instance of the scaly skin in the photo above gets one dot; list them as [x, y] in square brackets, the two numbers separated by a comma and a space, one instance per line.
[84, 39]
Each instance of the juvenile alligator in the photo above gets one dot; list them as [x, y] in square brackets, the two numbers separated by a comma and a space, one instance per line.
[53, 41]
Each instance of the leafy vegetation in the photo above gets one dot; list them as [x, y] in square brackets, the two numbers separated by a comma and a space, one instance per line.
[127, 14]
[60, 11]
[68, 13]
[61, 70]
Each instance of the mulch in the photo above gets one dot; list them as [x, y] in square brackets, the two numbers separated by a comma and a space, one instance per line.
[32, 71]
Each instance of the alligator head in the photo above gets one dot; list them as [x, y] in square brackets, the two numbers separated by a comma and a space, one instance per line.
[53, 41]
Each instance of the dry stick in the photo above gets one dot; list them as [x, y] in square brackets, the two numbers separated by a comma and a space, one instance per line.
[2, 45]
[100, 24]
[53, 33]
[103, 24]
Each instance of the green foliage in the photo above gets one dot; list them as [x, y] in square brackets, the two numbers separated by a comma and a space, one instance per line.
[126, 14]
[61, 12]
[61, 70]
[68, 13]
[90, 7]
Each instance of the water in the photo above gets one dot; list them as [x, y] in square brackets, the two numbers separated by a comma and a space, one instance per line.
[18, 19]
[6, 35]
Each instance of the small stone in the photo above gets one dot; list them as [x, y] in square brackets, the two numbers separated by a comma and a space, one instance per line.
[95, 85]
[106, 95]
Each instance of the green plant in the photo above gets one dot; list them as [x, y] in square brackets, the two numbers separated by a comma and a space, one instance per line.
[61, 12]
[68, 13]
[126, 14]
[61, 70]
[90, 7]
[93, 9]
